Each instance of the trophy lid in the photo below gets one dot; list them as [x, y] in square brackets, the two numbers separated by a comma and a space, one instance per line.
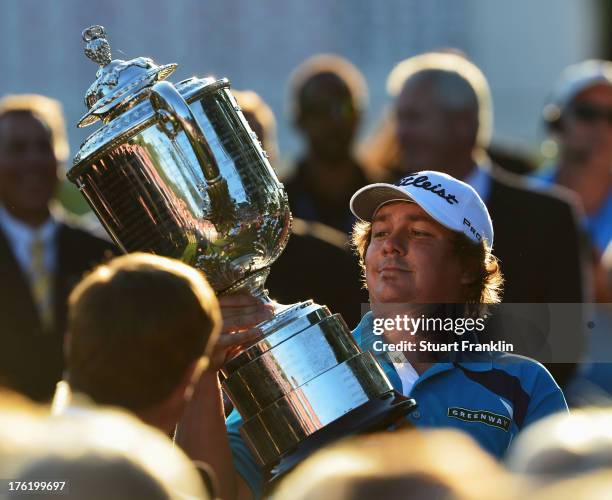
[117, 80]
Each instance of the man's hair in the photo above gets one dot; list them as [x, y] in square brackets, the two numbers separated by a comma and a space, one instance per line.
[97, 476]
[559, 445]
[486, 288]
[47, 110]
[445, 464]
[135, 326]
[100, 453]
[326, 64]
[456, 81]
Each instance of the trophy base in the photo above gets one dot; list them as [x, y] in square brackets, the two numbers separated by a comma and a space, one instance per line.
[306, 383]
[373, 416]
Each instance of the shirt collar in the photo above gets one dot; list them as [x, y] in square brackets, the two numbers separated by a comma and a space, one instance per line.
[17, 230]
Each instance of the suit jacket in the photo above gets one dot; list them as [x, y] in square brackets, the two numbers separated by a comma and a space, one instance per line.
[315, 266]
[305, 202]
[31, 360]
[537, 240]
[540, 246]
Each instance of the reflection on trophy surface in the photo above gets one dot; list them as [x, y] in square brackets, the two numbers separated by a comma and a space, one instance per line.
[176, 170]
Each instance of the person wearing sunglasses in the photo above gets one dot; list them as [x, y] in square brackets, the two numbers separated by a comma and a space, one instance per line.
[579, 118]
[327, 98]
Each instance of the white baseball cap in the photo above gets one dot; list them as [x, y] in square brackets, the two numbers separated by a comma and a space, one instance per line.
[449, 201]
[573, 80]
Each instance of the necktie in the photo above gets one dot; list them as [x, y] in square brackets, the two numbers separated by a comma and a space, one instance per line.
[40, 282]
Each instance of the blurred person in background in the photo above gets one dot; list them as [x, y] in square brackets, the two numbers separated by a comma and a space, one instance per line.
[141, 330]
[563, 446]
[433, 464]
[444, 118]
[444, 121]
[43, 252]
[98, 455]
[594, 486]
[295, 275]
[90, 476]
[592, 383]
[381, 153]
[327, 97]
[579, 118]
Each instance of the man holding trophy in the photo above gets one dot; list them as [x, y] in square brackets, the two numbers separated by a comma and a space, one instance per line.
[417, 250]
[176, 170]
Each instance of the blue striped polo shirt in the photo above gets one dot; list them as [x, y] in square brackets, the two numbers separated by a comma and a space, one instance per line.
[491, 398]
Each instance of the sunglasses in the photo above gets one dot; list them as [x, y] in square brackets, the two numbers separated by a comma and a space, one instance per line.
[590, 113]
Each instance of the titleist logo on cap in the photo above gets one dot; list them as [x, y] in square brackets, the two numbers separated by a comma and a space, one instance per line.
[422, 181]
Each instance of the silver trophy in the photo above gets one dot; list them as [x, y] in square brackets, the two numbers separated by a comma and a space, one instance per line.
[176, 170]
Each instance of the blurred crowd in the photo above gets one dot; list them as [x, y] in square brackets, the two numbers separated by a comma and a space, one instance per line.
[108, 363]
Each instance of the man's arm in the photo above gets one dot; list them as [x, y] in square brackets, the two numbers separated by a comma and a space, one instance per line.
[202, 432]
[203, 436]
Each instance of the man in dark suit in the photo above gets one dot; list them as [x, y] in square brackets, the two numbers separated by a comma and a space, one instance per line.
[42, 256]
[332, 279]
[327, 99]
[444, 122]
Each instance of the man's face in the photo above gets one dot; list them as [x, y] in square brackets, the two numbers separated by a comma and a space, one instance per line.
[327, 116]
[28, 167]
[587, 125]
[424, 129]
[411, 259]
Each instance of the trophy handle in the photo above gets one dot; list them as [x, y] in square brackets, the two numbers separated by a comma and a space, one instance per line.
[169, 105]
[173, 110]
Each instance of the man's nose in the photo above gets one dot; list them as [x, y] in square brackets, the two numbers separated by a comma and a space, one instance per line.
[395, 243]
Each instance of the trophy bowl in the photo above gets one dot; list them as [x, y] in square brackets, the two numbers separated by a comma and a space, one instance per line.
[176, 170]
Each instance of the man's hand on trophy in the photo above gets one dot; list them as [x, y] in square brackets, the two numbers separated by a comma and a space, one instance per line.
[201, 432]
[241, 313]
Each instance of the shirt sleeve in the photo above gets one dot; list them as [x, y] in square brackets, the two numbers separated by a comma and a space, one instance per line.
[244, 461]
[546, 397]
